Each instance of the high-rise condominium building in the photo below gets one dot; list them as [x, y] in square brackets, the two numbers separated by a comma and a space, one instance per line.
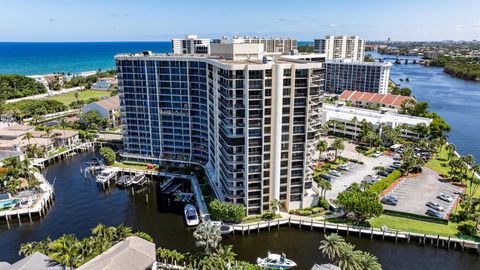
[270, 45]
[249, 120]
[346, 47]
[344, 74]
[191, 44]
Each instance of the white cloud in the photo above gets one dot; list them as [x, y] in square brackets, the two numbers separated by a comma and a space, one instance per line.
[459, 28]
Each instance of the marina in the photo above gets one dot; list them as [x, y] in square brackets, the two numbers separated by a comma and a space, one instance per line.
[75, 193]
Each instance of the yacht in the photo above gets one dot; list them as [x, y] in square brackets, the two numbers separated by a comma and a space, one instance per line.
[224, 228]
[191, 215]
[275, 261]
[124, 181]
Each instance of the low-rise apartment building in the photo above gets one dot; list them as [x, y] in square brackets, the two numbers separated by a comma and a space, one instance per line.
[377, 101]
[108, 108]
[352, 117]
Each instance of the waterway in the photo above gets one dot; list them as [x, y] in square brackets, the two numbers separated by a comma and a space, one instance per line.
[80, 205]
[456, 100]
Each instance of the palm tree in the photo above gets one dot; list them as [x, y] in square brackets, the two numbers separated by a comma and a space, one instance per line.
[27, 136]
[331, 246]
[368, 261]
[227, 254]
[337, 145]
[64, 250]
[48, 131]
[324, 185]
[355, 124]
[275, 204]
[208, 236]
[349, 258]
[450, 150]
[322, 146]
[77, 95]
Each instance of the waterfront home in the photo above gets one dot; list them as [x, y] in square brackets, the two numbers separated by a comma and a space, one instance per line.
[108, 108]
[61, 137]
[133, 253]
[37, 261]
[368, 100]
[104, 84]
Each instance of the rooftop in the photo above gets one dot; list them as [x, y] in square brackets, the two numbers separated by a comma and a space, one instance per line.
[110, 103]
[372, 116]
[388, 99]
[37, 261]
[351, 62]
[133, 253]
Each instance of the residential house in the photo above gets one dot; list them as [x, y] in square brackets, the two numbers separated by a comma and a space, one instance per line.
[368, 100]
[108, 108]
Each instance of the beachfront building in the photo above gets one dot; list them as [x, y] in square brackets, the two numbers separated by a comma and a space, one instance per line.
[351, 119]
[107, 108]
[190, 44]
[270, 45]
[377, 101]
[344, 47]
[243, 115]
[105, 84]
[345, 74]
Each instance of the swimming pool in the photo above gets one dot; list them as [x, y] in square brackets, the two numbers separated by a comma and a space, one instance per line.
[8, 203]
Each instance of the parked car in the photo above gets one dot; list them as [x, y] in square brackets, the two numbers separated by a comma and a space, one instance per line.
[397, 163]
[435, 206]
[343, 168]
[383, 173]
[376, 154]
[445, 197]
[392, 200]
[433, 213]
[326, 177]
[395, 166]
[335, 173]
[371, 179]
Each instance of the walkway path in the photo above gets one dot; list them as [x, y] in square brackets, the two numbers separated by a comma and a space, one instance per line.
[49, 94]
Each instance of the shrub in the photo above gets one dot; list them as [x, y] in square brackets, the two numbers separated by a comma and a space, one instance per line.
[467, 228]
[385, 182]
[316, 210]
[323, 203]
[291, 212]
[227, 211]
[29, 108]
[17, 86]
[108, 155]
[303, 212]
[268, 215]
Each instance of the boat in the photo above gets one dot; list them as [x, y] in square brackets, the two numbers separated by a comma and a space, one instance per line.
[275, 261]
[106, 175]
[191, 215]
[138, 179]
[124, 181]
[224, 228]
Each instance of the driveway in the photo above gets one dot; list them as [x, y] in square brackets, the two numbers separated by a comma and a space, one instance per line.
[414, 192]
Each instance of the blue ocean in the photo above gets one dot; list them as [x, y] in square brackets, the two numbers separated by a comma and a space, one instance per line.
[28, 58]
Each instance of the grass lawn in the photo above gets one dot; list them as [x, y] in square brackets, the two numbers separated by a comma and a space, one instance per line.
[412, 225]
[85, 94]
[131, 166]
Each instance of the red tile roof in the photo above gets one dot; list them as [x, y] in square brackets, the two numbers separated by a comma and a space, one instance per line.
[387, 99]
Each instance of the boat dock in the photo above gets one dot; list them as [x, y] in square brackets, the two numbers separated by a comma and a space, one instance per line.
[197, 192]
[369, 232]
[106, 175]
[42, 203]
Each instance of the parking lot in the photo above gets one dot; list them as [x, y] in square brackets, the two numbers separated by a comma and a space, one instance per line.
[414, 193]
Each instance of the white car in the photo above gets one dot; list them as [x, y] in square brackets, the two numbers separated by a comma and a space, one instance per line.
[445, 197]
[377, 154]
[371, 179]
[335, 173]
[343, 168]
[435, 206]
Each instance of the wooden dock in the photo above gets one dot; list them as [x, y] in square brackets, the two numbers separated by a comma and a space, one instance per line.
[367, 232]
[42, 203]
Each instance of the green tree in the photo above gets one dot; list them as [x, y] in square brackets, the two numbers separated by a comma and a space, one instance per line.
[208, 236]
[410, 160]
[349, 258]
[331, 245]
[368, 261]
[226, 211]
[359, 205]
[322, 146]
[275, 204]
[338, 145]
[108, 154]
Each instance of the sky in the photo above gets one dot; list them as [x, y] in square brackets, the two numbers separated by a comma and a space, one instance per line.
[149, 20]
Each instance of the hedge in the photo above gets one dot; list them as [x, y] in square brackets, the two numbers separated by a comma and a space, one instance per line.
[381, 185]
[415, 216]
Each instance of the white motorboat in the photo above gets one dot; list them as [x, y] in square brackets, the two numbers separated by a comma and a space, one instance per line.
[275, 261]
[124, 181]
[191, 215]
[224, 228]
[138, 179]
